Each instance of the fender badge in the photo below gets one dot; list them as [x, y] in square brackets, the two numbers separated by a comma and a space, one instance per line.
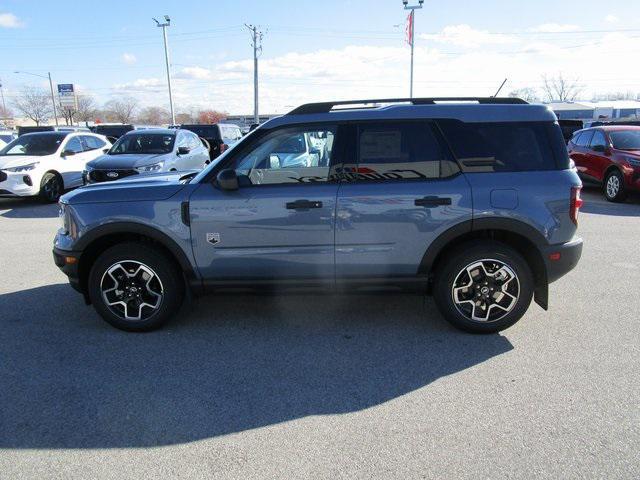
[213, 238]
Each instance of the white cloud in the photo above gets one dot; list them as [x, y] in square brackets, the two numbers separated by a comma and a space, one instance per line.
[464, 35]
[129, 58]
[555, 27]
[611, 18]
[9, 20]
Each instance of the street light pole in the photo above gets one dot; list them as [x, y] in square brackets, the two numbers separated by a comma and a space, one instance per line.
[166, 59]
[53, 97]
[256, 43]
[410, 32]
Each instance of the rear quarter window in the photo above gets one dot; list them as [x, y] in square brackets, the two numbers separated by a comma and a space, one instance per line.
[506, 146]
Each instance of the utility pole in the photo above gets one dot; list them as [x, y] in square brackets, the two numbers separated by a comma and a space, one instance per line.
[411, 36]
[166, 59]
[256, 43]
[53, 97]
[4, 105]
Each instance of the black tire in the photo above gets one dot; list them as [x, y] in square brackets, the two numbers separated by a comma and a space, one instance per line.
[51, 187]
[169, 284]
[613, 187]
[453, 268]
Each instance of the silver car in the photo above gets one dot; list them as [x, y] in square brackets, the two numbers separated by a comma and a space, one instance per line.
[148, 151]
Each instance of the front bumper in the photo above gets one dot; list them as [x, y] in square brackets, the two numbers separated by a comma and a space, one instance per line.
[70, 269]
[17, 184]
[561, 259]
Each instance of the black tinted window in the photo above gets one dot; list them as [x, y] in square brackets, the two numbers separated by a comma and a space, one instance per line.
[395, 151]
[505, 147]
[585, 138]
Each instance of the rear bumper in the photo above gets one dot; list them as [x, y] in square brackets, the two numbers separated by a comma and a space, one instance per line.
[69, 269]
[562, 258]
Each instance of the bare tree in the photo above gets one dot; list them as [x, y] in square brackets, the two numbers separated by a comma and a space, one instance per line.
[34, 103]
[153, 116]
[527, 93]
[87, 109]
[211, 116]
[186, 117]
[121, 109]
[560, 89]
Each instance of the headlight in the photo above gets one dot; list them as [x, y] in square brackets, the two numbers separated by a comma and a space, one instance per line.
[156, 167]
[22, 168]
[63, 218]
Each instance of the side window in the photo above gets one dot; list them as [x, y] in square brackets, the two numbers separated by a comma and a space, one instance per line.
[575, 137]
[182, 140]
[598, 142]
[585, 138]
[288, 156]
[502, 147]
[74, 145]
[92, 143]
[396, 151]
[194, 141]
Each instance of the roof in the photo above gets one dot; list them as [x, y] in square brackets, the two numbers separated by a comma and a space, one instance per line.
[611, 128]
[62, 133]
[153, 131]
[458, 110]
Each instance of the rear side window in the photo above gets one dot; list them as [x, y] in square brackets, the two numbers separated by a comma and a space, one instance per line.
[585, 138]
[506, 146]
[396, 151]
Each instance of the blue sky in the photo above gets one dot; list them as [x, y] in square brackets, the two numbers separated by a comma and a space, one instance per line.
[315, 50]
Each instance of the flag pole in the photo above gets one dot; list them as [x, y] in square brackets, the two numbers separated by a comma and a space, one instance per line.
[411, 20]
[411, 36]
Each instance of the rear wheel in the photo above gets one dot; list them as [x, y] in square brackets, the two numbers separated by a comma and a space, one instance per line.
[614, 190]
[51, 187]
[135, 287]
[483, 288]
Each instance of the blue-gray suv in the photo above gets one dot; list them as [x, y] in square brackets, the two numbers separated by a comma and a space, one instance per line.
[472, 200]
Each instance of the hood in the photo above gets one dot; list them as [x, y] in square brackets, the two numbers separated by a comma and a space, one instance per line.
[10, 161]
[126, 160]
[137, 188]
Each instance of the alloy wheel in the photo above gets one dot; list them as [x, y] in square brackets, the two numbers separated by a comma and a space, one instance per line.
[131, 290]
[613, 186]
[485, 290]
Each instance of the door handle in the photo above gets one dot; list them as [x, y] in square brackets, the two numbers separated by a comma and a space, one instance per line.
[431, 201]
[303, 204]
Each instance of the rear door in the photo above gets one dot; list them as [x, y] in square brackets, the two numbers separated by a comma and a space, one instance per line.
[399, 191]
[598, 155]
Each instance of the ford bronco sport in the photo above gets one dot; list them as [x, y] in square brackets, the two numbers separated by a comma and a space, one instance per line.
[471, 200]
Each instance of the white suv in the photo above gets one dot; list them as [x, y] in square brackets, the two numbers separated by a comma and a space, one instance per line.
[47, 163]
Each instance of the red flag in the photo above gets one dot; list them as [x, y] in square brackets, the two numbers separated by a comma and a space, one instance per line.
[409, 28]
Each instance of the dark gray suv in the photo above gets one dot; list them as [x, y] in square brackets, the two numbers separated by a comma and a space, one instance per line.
[471, 200]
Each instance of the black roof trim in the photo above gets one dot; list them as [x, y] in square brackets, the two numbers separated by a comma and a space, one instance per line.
[326, 107]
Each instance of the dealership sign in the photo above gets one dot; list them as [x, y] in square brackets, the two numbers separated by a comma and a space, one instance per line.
[67, 96]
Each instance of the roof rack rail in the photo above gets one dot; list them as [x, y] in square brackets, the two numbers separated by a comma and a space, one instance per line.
[325, 107]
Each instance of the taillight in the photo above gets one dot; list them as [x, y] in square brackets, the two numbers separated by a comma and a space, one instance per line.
[223, 147]
[576, 203]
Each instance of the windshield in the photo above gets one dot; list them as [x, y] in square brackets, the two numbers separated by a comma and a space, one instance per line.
[34, 144]
[625, 139]
[144, 143]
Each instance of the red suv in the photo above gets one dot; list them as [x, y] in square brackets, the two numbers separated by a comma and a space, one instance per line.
[610, 156]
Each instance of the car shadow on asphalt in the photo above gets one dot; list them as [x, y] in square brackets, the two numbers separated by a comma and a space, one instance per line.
[228, 364]
[27, 208]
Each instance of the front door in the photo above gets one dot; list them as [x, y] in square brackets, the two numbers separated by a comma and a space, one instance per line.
[74, 162]
[598, 155]
[400, 192]
[280, 223]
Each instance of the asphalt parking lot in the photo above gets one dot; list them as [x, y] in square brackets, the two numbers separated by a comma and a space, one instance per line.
[321, 386]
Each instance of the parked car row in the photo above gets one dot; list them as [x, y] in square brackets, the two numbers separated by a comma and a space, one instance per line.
[45, 161]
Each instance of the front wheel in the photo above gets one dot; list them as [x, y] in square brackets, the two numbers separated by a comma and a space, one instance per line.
[51, 188]
[614, 187]
[135, 287]
[483, 288]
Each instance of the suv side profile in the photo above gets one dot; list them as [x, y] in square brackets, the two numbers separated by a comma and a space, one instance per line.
[609, 156]
[219, 136]
[471, 200]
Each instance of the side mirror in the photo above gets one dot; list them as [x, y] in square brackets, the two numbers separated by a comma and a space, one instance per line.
[228, 180]
[67, 153]
[598, 148]
[274, 161]
[183, 150]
